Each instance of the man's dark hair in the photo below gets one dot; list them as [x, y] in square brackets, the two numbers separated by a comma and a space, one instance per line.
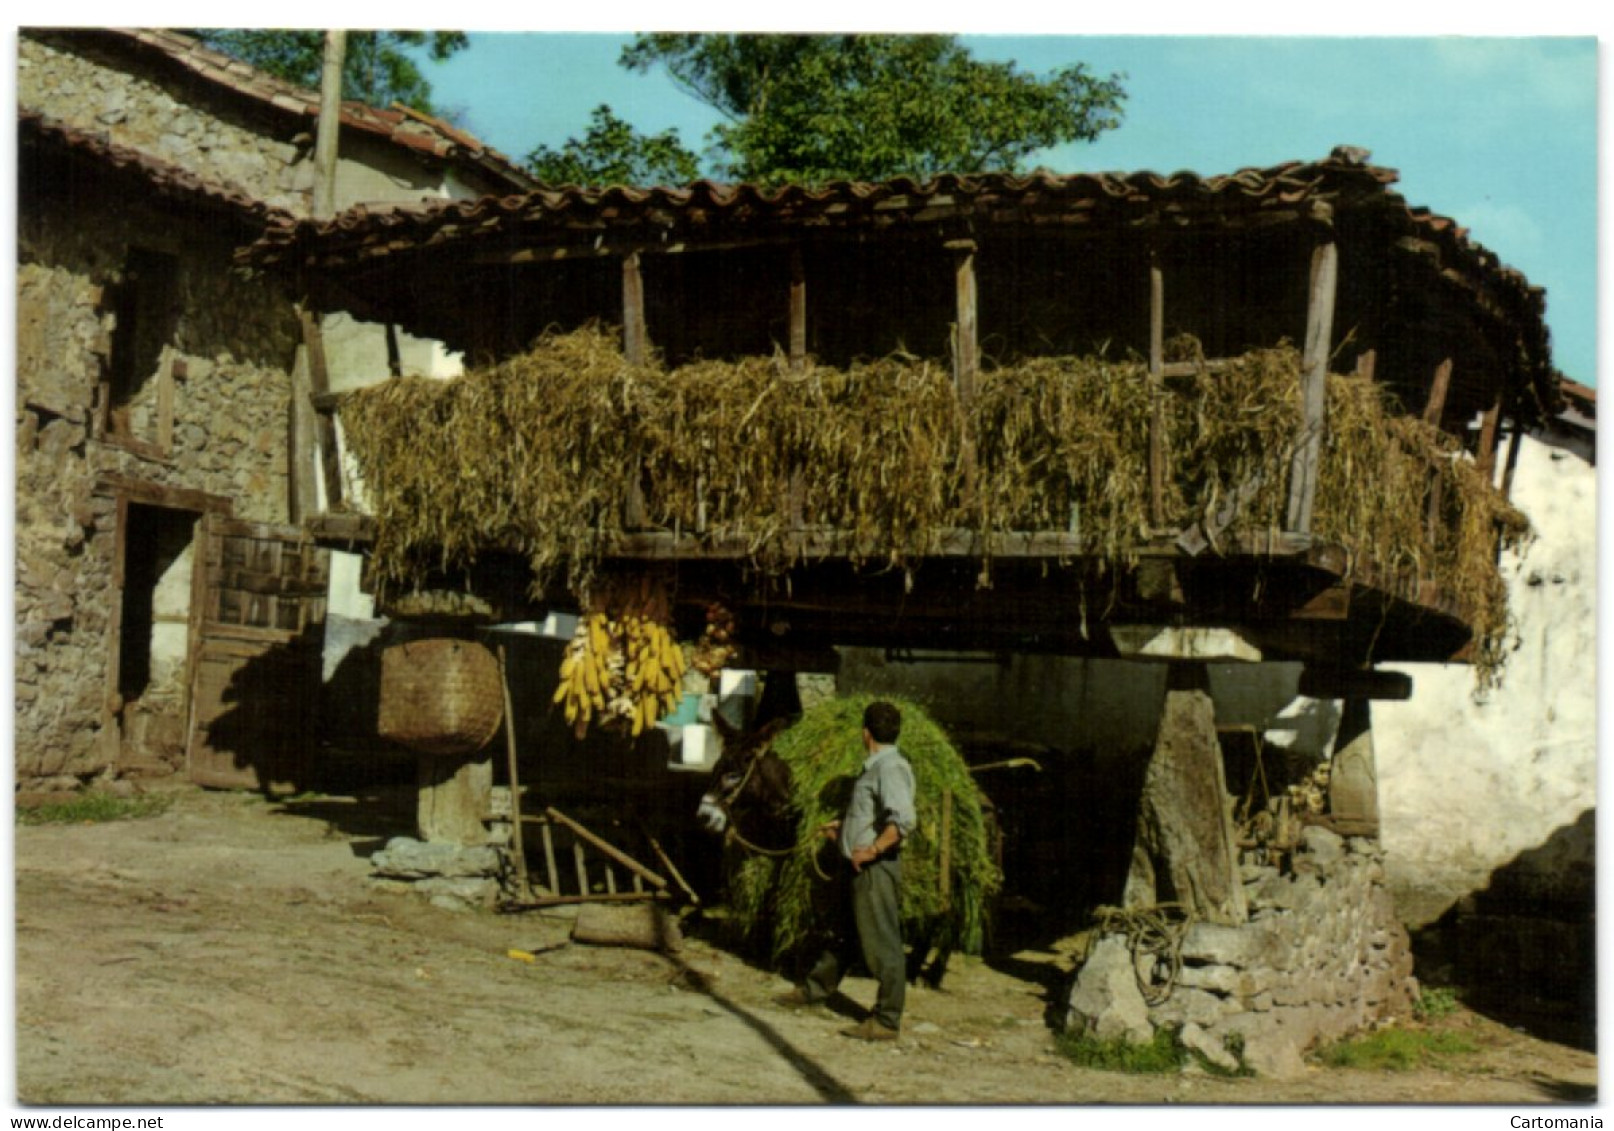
[883, 722]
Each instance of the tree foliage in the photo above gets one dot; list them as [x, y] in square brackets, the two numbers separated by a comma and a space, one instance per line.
[378, 68]
[814, 108]
[614, 153]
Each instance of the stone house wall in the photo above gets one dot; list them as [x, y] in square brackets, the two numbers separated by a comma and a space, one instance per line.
[137, 108]
[233, 349]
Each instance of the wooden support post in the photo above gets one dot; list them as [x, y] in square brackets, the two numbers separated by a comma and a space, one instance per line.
[798, 312]
[1366, 363]
[548, 834]
[635, 336]
[945, 866]
[1486, 457]
[1353, 778]
[319, 388]
[966, 350]
[1436, 404]
[636, 349]
[1303, 468]
[1512, 460]
[1157, 368]
[582, 867]
[1185, 849]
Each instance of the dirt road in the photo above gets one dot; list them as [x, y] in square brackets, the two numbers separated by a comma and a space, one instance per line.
[234, 951]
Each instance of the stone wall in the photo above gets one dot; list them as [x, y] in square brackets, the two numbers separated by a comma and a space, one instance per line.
[235, 343]
[157, 116]
[1322, 955]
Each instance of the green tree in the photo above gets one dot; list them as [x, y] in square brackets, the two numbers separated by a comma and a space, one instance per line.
[813, 108]
[378, 69]
[614, 153]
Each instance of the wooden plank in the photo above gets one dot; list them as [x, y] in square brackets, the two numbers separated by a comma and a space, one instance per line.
[1436, 404]
[176, 498]
[1321, 682]
[610, 851]
[635, 336]
[798, 312]
[165, 401]
[1303, 468]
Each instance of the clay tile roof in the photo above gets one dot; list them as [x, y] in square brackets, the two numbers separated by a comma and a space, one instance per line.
[1343, 183]
[399, 124]
[169, 181]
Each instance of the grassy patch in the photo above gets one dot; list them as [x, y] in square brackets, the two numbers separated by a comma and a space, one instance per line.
[94, 808]
[1435, 1003]
[1396, 1049]
[1163, 1054]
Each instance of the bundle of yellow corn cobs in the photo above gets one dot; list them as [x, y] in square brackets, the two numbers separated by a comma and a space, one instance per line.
[623, 671]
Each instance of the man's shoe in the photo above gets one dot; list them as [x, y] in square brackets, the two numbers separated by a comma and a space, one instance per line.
[871, 1030]
[795, 999]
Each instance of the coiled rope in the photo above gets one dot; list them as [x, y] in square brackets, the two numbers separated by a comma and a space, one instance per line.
[1155, 935]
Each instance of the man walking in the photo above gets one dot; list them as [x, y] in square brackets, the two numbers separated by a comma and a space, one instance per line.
[878, 818]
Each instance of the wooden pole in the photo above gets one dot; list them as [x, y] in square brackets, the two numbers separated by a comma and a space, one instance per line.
[1366, 363]
[1303, 468]
[319, 387]
[1157, 365]
[1486, 459]
[635, 337]
[798, 312]
[966, 348]
[1436, 404]
[1512, 460]
[515, 781]
[1432, 412]
[330, 125]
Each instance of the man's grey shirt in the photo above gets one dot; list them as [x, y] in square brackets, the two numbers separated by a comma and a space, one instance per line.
[882, 795]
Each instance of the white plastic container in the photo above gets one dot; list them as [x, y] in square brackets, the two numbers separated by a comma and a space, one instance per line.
[699, 745]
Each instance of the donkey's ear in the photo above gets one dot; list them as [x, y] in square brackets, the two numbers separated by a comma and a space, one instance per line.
[725, 729]
[771, 729]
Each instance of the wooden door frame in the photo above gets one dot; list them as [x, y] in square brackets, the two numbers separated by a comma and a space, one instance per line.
[124, 490]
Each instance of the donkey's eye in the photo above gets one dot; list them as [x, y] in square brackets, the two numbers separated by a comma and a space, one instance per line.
[731, 779]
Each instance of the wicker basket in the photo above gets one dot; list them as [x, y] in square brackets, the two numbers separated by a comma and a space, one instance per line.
[440, 696]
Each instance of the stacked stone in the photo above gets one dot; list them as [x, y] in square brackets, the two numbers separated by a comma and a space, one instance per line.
[451, 876]
[1322, 955]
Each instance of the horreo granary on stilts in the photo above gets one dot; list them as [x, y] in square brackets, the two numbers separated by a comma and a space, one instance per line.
[1101, 474]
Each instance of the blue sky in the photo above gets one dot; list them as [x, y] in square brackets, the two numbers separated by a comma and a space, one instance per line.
[1499, 132]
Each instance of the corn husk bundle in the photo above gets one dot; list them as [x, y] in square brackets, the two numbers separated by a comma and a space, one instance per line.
[540, 453]
[623, 667]
[624, 670]
[784, 903]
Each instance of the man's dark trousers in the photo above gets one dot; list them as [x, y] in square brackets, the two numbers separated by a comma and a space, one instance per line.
[877, 923]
